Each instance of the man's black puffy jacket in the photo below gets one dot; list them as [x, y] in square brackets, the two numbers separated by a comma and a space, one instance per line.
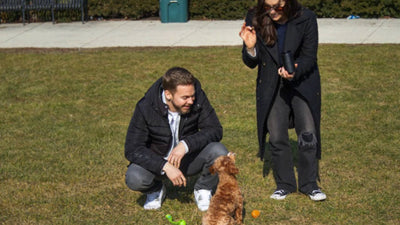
[149, 137]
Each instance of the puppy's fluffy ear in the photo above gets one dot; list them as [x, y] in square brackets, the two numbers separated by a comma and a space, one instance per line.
[232, 156]
[232, 169]
[216, 165]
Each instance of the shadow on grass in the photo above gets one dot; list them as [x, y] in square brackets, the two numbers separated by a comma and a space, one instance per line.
[182, 194]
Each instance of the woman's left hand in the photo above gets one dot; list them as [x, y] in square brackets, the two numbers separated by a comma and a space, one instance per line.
[284, 74]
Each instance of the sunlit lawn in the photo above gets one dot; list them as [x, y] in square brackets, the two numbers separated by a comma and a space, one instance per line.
[64, 115]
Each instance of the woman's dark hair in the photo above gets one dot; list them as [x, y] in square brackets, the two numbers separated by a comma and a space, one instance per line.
[177, 76]
[264, 24]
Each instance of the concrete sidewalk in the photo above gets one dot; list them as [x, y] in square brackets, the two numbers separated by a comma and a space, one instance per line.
[97, 34]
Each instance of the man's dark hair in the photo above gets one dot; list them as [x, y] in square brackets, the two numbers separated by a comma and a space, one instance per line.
[177, 76]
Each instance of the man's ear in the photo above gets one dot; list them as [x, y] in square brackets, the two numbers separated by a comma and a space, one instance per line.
[168, 95]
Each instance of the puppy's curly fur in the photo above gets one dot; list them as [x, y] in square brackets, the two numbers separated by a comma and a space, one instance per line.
[227, 203]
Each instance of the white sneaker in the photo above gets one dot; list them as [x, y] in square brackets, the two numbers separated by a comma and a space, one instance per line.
[202, 198]
[155, 199]
[317, 195]
[279, 194]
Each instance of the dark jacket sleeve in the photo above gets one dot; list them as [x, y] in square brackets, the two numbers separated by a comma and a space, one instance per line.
[249, 60]
[136, 147]
[209, 127]
[307, 59]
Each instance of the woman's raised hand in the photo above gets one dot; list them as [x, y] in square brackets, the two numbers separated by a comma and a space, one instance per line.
[248, 35]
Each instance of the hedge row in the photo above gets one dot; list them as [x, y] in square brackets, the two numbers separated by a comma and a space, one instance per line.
[221, 9]
[362, 8]
[134, 9]
[198, 9]
[236, 9]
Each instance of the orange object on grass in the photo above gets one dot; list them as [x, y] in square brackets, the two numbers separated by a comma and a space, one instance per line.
[255, 213]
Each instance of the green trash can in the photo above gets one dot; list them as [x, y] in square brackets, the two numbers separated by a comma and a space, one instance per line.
[173, 11]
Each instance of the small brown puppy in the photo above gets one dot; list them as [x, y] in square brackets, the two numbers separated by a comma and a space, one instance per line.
[227, 203]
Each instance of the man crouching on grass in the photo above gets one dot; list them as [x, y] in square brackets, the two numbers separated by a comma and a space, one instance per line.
[174, 132]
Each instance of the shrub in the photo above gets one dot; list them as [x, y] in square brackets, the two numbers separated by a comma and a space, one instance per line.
[135, 9]
[363, 8]
[221, 9]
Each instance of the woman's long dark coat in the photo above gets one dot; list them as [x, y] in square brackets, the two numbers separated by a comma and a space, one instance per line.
[302, 41]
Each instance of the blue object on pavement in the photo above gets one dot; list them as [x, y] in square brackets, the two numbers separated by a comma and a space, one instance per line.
[353, 17]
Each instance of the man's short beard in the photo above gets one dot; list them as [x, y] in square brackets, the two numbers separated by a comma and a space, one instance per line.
[179, 109]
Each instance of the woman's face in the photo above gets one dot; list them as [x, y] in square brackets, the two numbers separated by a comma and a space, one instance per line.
[274, 8]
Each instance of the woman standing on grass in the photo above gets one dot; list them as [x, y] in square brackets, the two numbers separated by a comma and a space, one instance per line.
[286, 100]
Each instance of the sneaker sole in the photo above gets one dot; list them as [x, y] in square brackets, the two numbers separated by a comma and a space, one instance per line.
[278, 198]
[317, 199]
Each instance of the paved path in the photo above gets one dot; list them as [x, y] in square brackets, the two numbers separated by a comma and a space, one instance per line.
[95, 34]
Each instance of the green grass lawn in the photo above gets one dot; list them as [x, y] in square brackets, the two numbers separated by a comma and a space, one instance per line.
[64, 116]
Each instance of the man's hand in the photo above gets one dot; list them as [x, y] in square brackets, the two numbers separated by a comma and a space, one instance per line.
[174, 175]
[177, 154]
